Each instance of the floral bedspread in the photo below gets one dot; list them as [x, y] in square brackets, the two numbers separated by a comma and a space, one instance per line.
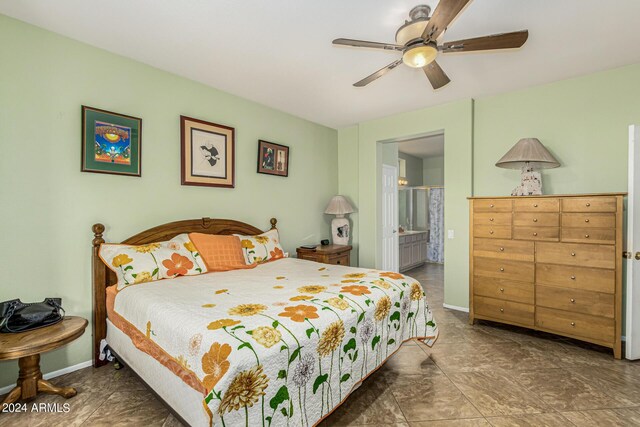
[281, 344]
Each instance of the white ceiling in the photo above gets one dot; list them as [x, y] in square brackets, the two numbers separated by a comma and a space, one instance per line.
[428, 146]
[279, 52]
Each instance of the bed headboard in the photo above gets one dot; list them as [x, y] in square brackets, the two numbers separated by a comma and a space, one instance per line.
[102, 276]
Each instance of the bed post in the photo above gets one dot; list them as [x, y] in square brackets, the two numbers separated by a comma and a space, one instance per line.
[99, 276]
[273, 223]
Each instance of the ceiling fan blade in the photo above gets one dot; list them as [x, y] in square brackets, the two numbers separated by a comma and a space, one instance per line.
[445, 13]
[496, 41]
[364, 43]
[381, 72]
[436, 76]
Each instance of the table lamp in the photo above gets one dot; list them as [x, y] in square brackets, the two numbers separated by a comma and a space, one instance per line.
[339, 206]
[528, 155]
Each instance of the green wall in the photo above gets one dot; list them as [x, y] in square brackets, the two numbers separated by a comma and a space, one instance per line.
[433, 170]
[583, 121]
[48, 205]
[363, 140]
[414, 168]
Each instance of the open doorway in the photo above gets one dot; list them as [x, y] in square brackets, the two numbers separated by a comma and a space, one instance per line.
[421, 202]
[412, 220]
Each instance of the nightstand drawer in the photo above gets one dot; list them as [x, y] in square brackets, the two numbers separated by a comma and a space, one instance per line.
[339, 260]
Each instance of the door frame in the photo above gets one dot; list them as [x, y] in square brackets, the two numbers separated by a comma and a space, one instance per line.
[632, 329]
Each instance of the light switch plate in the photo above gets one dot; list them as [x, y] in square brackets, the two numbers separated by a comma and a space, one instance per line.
[450, 234]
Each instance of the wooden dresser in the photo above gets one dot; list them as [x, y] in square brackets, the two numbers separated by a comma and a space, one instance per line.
[550, 263]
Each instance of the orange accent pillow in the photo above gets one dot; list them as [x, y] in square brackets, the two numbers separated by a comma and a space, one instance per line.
[220, 253]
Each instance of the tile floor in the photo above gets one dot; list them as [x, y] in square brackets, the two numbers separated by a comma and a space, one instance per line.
[481, 375]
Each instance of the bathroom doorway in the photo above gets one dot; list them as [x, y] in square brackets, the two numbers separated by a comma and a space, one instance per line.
[421, 191]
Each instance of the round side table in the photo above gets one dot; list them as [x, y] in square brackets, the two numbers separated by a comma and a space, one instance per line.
[27, 346]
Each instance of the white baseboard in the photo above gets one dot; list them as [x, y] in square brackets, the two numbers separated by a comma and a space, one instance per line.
[67, 370]
[455, 307]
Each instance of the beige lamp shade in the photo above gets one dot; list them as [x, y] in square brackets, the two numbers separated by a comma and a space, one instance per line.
[339, 206]
[530, 153]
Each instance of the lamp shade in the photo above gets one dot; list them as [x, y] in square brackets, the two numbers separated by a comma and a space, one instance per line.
[339, 206]
[528, 152]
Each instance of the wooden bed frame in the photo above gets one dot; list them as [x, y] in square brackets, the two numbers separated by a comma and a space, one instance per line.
[102, 276]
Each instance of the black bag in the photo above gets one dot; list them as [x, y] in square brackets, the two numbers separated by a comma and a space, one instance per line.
[16, 316]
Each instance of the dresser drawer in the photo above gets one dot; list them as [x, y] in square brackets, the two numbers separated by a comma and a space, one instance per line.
[589, 220]
[503, 289]
[492, 205]
[576, 324]
[550, 234]
[536, 205]
[503, 249]
[589, 204]
[534, 219]
[492, 218]
[576, 300]
[589, 279]
[508, 311]
[600, 256]
[492, 231]
[588, 235]
[504, 269]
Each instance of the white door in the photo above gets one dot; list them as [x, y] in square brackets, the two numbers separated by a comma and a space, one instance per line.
[389, 218]
[632, 347]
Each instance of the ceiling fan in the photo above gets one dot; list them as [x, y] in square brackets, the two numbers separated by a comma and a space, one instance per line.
[417, 39]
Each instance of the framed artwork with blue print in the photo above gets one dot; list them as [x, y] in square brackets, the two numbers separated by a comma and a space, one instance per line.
[111, 142]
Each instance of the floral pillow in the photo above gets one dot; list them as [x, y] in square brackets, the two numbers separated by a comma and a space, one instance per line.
[155, 261]
[264, 247]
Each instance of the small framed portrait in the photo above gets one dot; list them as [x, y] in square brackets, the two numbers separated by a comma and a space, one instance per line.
[273, 159]
[111, 142]
[207, 153]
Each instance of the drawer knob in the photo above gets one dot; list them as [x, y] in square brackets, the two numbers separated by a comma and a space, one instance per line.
[586, 236]
[586, 220]
[501, 249]
[573, 277]
[573, 254]
[573, 300]
[491, 219]
[502, 310]
[535, 234]
[501, 268]
[588, 204]
[501, 289]
[491, 205]
[535, 219]
[573, 323]
[535, 205]
[491, 232]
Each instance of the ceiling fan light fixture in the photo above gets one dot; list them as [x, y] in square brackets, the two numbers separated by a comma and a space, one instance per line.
[420, 55]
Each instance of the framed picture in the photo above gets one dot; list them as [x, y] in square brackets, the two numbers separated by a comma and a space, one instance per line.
[273, 159]
[111, 142]
[207, 153]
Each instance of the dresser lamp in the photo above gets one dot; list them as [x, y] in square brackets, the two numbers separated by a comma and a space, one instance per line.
[528, 155]
[339, 206]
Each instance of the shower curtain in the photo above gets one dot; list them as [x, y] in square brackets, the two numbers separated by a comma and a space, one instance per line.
[435, 249]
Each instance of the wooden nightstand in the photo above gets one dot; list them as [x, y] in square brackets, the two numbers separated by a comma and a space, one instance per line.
[330, 254]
